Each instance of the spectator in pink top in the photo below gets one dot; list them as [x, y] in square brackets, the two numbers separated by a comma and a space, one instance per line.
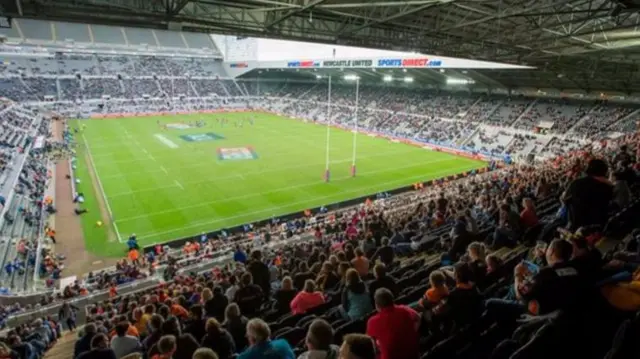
[352, 231]
[307, 299]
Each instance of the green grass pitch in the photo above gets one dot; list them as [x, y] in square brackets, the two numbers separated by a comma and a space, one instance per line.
[164, 184]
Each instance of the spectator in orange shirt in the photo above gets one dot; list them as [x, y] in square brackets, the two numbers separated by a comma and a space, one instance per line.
[437, 292]
[134, 256]
[360, 263]
[178, 310]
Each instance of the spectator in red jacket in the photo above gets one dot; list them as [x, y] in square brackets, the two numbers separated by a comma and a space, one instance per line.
[394, 328]
[307, 299]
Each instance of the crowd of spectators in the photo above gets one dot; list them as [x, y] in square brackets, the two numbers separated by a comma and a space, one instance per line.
[562, 114]
[441, 265]
[364, 283]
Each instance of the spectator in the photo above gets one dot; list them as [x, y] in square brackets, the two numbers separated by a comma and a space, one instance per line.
[356, 301]
[196, 323]
[23, 350]
[495, 269]
[357, 346]
[385, 253]
[44, 331]
[509, 227]
[557, 286]
[319, 342]
[260, 272]
[382, 280]
[205, 353]
[477, 262]
[155, 331]
[464, 303]
[235, 323]
[166, 348]
[215, 302]
[99, 349]
[307, 299]
[218, 340]
[588, 197]
[239, 255]
[8, 353]
[284, 296]
[327, 279]
[67, 313]
[249, 297]
[360, 263]
[460, 239]
[260, 344]
[621, 191]
[141, 323]
[84, 343]
[586, 259]
[438, 291]
[233, 288]
[123, 344]
[302, 276]
[528, 216]
[394, 328]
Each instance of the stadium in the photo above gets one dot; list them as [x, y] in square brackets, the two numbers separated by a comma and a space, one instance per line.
[318, 179]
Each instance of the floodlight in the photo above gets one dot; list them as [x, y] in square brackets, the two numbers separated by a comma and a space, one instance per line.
[387, 78]
[408, 79]
[351, 77]
[458, 81]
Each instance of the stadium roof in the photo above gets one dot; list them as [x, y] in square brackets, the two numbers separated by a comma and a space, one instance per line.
[584, 44]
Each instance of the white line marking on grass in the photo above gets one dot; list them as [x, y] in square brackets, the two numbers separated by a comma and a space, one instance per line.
[237, 175]
[104, 196]
[115, 227]
[280, 168]
[270, 209]
[179, 185]
[164, 170]
[167, 142]
[282, 189]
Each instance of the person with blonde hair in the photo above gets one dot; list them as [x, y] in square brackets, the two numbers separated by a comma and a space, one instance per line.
[477, 252]
[235, 323]
[218, 339]
[260, 344]
[356, 301]
[307, 299]
[284, 296]
[327, 278]
[204, 353]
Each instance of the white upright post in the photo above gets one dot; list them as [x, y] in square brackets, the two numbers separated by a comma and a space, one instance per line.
[355, 129]
[327, 172]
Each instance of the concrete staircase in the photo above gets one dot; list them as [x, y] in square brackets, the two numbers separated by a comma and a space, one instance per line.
[64, 347]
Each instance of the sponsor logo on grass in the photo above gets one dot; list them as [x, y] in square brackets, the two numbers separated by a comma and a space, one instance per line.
[178, 126]
[236, 153]
[201, 137]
